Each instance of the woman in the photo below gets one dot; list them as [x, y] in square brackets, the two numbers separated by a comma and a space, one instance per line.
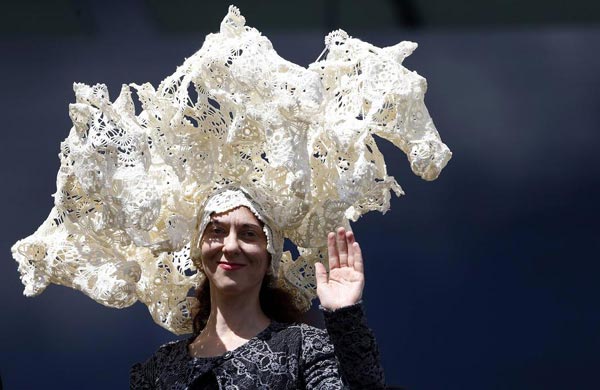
[301, 140]
[240, 344]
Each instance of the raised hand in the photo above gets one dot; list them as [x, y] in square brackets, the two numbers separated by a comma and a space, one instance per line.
[344, 284]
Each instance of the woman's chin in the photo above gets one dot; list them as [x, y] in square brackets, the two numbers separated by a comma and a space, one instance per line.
[231, 286]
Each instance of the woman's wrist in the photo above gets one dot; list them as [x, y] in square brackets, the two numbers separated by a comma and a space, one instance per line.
[341, 308]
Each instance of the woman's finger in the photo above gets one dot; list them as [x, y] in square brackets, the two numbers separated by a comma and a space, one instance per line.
[358, 259]
[320, 274]
[350, 240]
[332, 251]
[342, 247]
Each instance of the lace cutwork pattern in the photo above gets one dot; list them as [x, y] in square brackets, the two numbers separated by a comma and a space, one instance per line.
[131, 184]
[282, 356]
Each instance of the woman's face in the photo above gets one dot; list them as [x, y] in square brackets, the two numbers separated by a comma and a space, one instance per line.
[234, 252]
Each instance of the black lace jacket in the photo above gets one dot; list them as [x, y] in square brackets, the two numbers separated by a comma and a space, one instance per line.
[282, 356]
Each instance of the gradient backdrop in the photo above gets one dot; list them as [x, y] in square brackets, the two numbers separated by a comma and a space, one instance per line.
[484, 279]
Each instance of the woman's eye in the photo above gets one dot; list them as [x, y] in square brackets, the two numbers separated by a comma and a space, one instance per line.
[253, 234]
[217, 230]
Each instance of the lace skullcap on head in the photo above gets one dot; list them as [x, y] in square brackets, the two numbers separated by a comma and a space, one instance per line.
[228, 199]
[298, 141]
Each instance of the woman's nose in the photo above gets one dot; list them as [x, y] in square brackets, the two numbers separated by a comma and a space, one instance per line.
[230, 243]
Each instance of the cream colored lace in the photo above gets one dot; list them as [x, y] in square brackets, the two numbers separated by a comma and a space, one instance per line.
[131, 185]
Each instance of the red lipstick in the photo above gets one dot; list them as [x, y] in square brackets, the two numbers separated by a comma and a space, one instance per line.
[230, 266]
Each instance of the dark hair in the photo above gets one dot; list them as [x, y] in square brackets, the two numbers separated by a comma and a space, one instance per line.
[276, 303]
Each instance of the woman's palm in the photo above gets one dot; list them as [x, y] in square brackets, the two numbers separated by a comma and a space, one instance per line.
[344, 284]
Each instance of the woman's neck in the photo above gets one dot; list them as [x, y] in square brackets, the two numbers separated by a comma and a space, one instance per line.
[233, 320]
[236, 314]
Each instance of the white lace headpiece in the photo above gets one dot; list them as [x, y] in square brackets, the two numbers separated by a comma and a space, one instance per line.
[299, 141]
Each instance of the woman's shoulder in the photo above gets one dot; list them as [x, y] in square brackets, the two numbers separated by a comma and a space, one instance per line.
[299, 330]
[342, 320]
[173, 347]
[168, 358]
[171, 351]
[310, 341]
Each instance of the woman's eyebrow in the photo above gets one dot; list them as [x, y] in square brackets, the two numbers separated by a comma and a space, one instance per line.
[216, 221]
[252, 225]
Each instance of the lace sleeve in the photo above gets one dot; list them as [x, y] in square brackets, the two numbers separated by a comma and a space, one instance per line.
[355, 347]
[318, 365]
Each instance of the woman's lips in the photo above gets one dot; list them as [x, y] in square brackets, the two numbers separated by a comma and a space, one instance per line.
[231, 266]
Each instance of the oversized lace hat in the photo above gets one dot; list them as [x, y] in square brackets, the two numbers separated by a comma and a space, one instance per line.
[297, 141]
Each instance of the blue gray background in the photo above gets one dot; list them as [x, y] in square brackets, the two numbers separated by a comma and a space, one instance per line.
[484, 279]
